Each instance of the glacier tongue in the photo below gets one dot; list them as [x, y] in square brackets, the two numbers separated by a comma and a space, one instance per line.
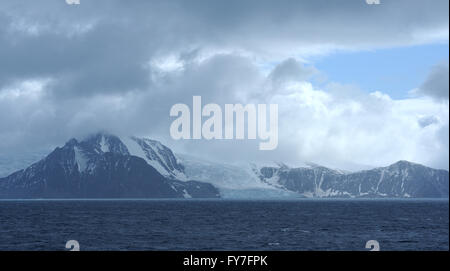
[233, 181]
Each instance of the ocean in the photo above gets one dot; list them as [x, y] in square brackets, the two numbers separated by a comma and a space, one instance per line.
[191, 225]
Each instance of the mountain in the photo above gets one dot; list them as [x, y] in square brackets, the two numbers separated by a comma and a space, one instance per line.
[100, 166]
[107, 166]
[277, 180]
[402, 179]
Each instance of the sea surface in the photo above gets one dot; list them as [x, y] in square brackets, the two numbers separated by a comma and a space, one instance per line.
[224, 224]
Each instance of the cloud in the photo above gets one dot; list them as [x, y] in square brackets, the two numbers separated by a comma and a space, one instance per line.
[427, 121]
[120, 66]
[103, 46]
[437, 83]
[292, 70]
[374, 129]
[341, 125]
[324, 126]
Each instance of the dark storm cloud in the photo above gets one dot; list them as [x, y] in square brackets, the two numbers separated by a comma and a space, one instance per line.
[46, 38]
[110, 57]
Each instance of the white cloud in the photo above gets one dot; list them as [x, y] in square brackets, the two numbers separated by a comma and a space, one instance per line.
[340, 126]
[27, 89]
[370, 130]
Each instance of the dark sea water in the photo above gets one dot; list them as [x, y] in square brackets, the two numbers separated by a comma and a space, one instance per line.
[224, 225]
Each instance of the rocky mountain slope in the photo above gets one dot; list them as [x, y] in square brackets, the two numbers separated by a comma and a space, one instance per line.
[100, 166]
[402, 179]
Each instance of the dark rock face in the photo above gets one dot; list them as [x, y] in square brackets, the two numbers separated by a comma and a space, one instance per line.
[97, 167]
[402, 179]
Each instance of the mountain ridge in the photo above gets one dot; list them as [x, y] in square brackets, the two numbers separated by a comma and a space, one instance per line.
[401, 179]
[102, 165]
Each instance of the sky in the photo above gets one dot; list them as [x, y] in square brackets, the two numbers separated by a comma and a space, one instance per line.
[356, 85]
[395, 71]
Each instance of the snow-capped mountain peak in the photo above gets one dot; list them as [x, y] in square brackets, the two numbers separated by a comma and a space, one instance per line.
[100, 166]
